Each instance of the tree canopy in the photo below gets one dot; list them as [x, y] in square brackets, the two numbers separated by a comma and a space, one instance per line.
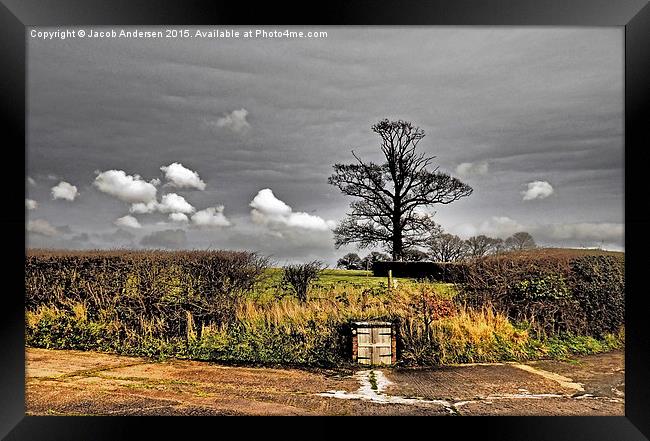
[520, 241]
[392, 196]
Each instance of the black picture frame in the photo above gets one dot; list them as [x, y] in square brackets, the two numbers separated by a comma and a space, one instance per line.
[634, 15]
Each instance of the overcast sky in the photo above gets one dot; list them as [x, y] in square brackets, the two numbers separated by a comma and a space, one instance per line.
[228, 143]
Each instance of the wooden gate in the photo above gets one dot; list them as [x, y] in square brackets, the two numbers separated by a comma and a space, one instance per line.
[374, 345]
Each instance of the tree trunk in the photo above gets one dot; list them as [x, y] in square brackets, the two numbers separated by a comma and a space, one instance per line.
[397, 248]
[397, 230]
[398, 245]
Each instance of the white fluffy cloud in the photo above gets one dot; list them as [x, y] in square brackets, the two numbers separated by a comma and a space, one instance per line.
[266, 202]
[31, 204]
[210, 217]
[235, 121]
[125, 187]
[181, 177]
[269, 210]
[173, 203]
[537, 190]
[43, 227]
[143, 208]
[170, 203]
[127, 221]
[178, 217]
[63, 190]
[472, 168]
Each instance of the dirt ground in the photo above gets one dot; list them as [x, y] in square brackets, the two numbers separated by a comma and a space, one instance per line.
[89, 383]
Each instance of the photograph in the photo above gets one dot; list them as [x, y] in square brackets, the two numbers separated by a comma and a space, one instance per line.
[324, 220]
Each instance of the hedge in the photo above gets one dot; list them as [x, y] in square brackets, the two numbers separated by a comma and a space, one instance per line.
[157, 287]
[552, 294]
[438, 271]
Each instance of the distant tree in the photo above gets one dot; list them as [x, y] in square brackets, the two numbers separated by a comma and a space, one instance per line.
[479, 246]
[415, 255]
[499, 246]
[446, 247]
[350, 261]
[373, 257]
[520, 241]
[391, 195]
[300, 277]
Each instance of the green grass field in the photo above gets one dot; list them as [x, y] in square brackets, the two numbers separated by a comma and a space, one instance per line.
[335, 280]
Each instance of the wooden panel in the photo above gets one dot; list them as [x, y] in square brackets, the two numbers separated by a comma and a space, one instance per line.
[383, 340]
[384, 351]
[374, 346]
[365, 355]
[363, 338]
[376, 359]
[384, 355]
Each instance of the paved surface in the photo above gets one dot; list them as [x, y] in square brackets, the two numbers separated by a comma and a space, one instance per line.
[90, 383]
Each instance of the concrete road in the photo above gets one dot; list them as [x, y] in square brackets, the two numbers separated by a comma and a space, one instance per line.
[90, 383]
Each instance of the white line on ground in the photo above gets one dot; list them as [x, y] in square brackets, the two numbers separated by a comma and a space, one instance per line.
[563, 381]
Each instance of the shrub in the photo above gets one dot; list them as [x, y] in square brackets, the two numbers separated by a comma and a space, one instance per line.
[159, 288]
[424, 307]
[468, 336]
[552, 293]
[598, 284]
[299, 277]
[49, 327]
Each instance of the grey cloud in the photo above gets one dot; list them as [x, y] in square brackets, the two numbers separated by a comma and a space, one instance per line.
[608, 232]
[119, 237]
[43, 228]
[234, 121]
[534, 103]
[81, 238]
[581, 234]
[172, 239]
[472, 168]
[291, 245]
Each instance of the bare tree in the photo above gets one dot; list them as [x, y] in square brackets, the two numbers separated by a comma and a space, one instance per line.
[300, 277]
[499, 245]
[350, 261]
[446, 248]
[520, 241]
[391, 195]
[415, 255]
[373, 257]
[479, 246]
